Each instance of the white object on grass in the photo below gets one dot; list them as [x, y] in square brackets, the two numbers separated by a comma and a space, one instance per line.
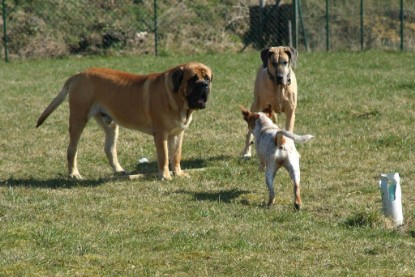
[143, 161]
[390, 189]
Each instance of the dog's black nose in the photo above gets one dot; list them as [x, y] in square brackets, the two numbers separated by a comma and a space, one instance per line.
[203, 87]
[280, 80]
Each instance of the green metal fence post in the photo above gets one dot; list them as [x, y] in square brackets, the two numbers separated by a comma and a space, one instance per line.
[327, 26]
[401, 17]
[261, 22]
[300, 13]
[361, 26]
[155, 29]
[6, 58]
[295, 19]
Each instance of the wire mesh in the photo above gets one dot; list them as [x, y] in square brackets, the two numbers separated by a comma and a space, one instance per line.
[50, 28]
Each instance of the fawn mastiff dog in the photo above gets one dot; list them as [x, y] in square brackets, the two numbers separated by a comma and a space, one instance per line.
[275, 85]
[159, 104]
[275, 148]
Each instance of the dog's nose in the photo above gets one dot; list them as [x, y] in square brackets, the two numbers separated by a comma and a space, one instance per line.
[280, 80]
[203, 86]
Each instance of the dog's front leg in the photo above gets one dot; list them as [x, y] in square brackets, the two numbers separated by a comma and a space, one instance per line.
[289, 124]
[274, 117]
[248, 142]
[160, 140]
[269, 179]
[175, 154]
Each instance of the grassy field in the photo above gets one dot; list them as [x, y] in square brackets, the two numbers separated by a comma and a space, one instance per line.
[359, 106]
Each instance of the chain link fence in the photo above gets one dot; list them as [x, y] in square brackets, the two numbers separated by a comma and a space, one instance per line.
[53, 28]
[360, 24]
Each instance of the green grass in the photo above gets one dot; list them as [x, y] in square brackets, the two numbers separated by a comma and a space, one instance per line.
[360, 107]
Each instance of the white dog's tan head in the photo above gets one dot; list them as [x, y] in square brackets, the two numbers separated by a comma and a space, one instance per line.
[279, 61]
[251, 117]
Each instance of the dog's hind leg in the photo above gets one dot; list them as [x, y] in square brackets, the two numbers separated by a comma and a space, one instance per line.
[269, 180]
[111, 136]
[293, 167]
[76, 126]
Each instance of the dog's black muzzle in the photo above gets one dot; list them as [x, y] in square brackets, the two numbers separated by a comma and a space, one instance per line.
[280, 79]
[199, 96]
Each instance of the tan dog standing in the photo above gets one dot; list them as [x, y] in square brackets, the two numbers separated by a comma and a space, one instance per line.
[159, 104]
[275, 85]
[275, 148]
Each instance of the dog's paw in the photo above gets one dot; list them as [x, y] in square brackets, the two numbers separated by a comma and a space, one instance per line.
[246, 156]
[181, 173]
[271, 201]
[121, 173]
[75, 176]
[165, 177]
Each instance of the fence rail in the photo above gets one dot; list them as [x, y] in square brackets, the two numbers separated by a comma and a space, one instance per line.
[45, 28]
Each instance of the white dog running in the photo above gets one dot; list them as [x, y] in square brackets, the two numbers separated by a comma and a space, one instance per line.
[275, 148]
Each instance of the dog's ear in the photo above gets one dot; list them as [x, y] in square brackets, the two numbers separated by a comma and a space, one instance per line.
[177, 78]
[264, 57]
[293, 54]
[268, 111]
[243, 109]
[245, 113]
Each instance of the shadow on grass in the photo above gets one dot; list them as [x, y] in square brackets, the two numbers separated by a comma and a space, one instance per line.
[198, 163]
[225, 196]
[149, 170]
[50, 183]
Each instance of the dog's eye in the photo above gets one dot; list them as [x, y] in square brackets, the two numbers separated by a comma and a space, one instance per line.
[274, 64]
[284, 62]
[193, 80]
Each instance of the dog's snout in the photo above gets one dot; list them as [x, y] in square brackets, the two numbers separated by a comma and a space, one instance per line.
[281, 80]
[205, 84]
[204, 97]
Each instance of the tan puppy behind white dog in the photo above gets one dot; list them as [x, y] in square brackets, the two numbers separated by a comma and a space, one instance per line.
[159, 104]
[275, 85]
[275, 148]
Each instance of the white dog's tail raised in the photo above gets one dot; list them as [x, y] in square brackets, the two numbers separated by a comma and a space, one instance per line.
[55, 103]
[294, 137]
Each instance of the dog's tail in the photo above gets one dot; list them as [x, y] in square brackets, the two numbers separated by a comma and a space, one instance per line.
[294, 137]
[55, 103]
